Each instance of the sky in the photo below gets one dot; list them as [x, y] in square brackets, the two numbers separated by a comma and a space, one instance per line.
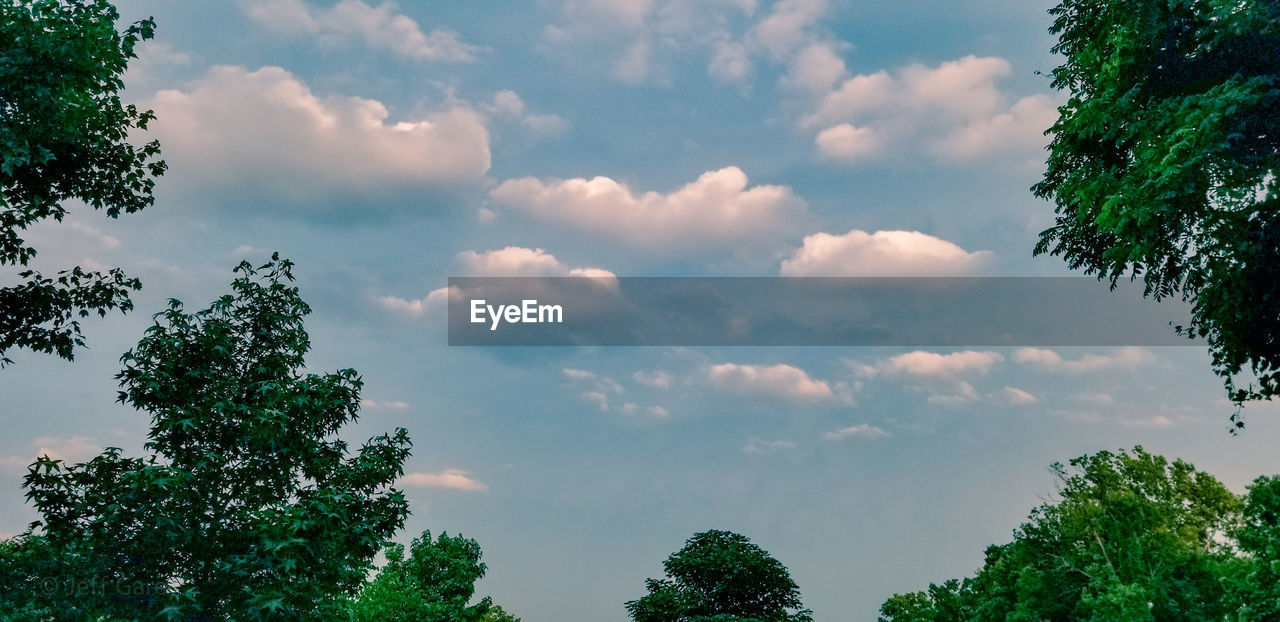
[386, 147]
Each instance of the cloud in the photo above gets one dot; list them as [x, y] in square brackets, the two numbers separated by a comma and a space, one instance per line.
[266, 129]
[883, 253]
[788, 26]
[781, 382]
[848, 143]
[72, 449]
[862, 430]
[717, 208]
[633, 40]
[508, 261]
[384, 405]
[761, 446]
[954, 111]
[1120, 359]
[380, 27]
[454, 479]
[1016, 397]
[657, 379]
[508, 105]
[923, 364]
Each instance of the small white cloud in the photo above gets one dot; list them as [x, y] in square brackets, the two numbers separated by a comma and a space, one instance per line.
[508, 105]
[657, 379]
[848, 143]
[658, 411]
[717, 209]
[783, 382]
[862, 430]
[454, 479]
[1014, 396]
[921, 363]
[598, 398]
[761, 446]
[1120, 359]
[384, 405]
[883, 253]
[377, 27]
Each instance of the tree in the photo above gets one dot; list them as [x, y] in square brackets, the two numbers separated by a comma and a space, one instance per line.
[1163, 166]
[497, 614]
[720, 576]
[436, 582]
[248, 505]
[64, 135]
[1134, 537]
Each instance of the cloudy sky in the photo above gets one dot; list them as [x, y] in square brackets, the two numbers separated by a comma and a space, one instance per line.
[386, 147]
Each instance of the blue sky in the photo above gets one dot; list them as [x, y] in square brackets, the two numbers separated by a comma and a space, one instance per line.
[386, 147]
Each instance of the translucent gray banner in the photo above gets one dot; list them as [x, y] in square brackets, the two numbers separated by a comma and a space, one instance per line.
[807, 311]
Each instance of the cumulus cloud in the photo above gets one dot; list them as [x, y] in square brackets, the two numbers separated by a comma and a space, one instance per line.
[508, 261]
[1122, 358]
[761, 446]
[380, 27]
[781, 382]
[657, 379]
[952, 111]
[717, 208]
[509, 106]
[788, 26]
[454, 479]
[862, 430]
[921, 363]
[883, 253]
[265, 128]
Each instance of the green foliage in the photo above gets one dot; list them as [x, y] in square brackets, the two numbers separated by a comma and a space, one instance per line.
[248, 506]
[497, 614]
[64, 136]
[720, 576]
[1134, 537]
[436, 582]
[1163, 165]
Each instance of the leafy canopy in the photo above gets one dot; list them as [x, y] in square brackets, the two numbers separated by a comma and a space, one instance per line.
[1163, 165]
[436, 582]
[248, 505]
[720, 576]
[64, 136]
[1133, 538]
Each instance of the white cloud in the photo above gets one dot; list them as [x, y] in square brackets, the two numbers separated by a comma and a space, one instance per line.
[1014, 396]
[633, 39]
[730, 64]
[658, 411]
[883, 253]
[384, 404]
[761, 446]
[848, 143]
[862, 430]
[377, 27]
[921, 363]
[657, 379]
[1120, 359]
[717, 208]
[953, 111]
[782, 382]
[266, 128]
[598, 398]
[788, 26]
[815, 68]
[508, 261]
[1018, 130]
[454, 479]
[508, 105]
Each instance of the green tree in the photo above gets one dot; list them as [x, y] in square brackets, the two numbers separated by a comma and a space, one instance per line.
[248, 505]
[1133, 537]
[497, 614]
[720, 576]
[64, 135]
[1163, 165]
[436, 582]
